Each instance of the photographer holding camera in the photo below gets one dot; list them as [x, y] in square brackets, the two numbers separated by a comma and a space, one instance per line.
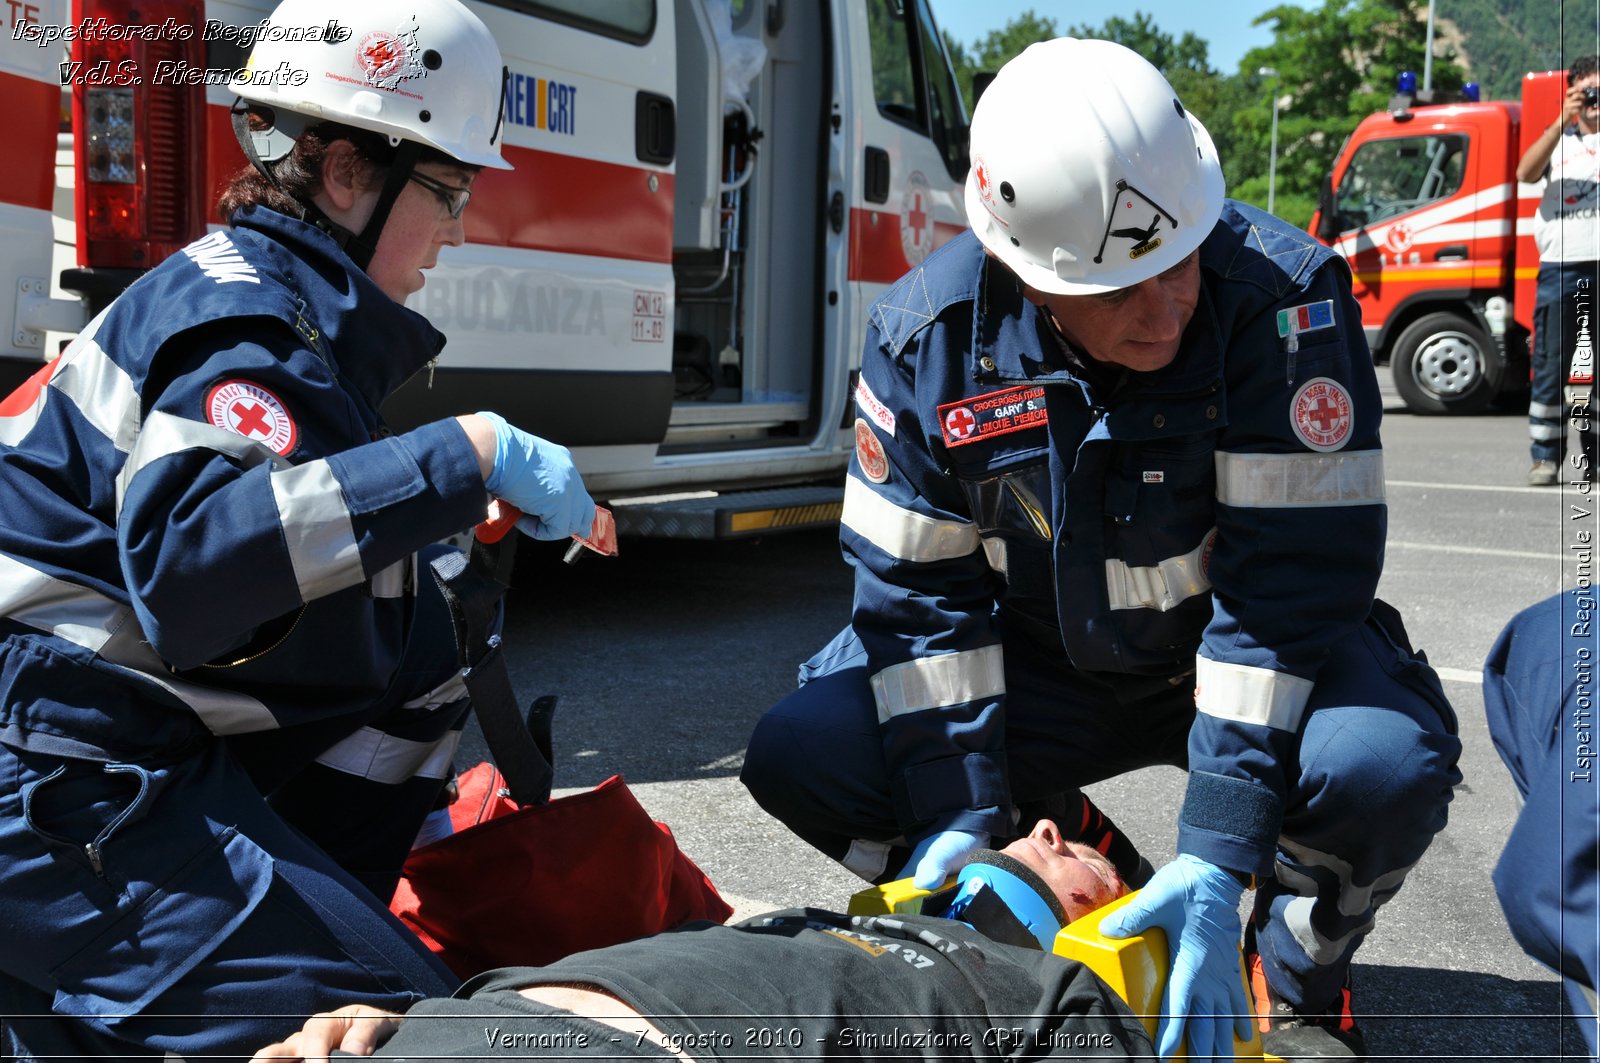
[1567, 230]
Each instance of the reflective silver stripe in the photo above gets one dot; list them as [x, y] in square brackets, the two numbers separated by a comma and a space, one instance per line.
[1544, 412]
[1346, 478]
[1354, 900]
[164, 434]
[103, 393]
[1250, 695]
[1546, 432]
[391, 582]
[81, 616]
[1160, 586]
[866, 859]
[996, 551]
[452, 689]
[901, 533]
[316, 525]
[97, 386]
[932, 682]
[97, 623]
[383, 758]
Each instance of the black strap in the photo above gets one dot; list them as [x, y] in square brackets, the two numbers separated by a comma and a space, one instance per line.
[520, 746]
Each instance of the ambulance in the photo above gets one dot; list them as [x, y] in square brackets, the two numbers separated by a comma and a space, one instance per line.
[673, 281]
[1424, 204]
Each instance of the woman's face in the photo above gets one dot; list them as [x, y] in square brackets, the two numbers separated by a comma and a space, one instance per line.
[419, 224]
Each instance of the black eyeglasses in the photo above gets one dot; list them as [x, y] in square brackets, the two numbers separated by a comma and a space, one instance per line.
[455, 199]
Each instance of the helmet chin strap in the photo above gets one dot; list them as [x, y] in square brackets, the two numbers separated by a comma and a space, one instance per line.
[359, 246]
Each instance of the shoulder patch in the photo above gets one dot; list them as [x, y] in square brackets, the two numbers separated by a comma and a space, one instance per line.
[868, 404]
[869, 453]
[1322, 414]
[993, 414]
[250, 410]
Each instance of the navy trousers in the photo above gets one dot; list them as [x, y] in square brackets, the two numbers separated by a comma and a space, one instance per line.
[1377, 769]
[205, 900]
[1564, 316]
[1539, 691]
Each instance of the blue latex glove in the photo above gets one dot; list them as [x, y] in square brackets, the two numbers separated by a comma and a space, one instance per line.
[538, 477]
[1197, 904]
[940, 855]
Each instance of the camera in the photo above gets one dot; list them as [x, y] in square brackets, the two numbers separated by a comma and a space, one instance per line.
[1591, 97]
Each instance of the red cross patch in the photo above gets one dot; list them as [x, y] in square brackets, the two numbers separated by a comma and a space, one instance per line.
[1321, 414]
[869, 453]
[959, 424]
[252, 411]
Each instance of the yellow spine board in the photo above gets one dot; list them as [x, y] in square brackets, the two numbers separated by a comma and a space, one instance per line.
[1135, 968]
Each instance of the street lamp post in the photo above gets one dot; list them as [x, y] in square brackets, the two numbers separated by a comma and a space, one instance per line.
[1272, 159]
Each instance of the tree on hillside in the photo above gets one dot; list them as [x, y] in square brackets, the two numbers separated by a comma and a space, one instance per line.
[1507, 38]
[1336, 64]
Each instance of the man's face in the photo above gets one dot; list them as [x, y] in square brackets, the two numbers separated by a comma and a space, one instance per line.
[1138, 327]
[1082, 878]
[1588, 117]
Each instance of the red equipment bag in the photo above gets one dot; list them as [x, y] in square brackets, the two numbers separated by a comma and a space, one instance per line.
[527, 885]
[525, 880]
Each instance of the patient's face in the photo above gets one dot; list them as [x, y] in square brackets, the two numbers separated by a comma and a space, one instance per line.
[1082, 878]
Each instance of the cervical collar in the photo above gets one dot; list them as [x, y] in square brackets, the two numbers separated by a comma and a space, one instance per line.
[1005, 899]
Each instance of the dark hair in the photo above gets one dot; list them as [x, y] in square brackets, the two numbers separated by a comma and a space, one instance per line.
[1583, 68]
[299, 174]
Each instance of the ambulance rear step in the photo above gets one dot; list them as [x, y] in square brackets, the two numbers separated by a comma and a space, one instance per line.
[730, 514]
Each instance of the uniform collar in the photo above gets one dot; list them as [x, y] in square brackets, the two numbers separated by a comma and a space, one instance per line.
[376, 344]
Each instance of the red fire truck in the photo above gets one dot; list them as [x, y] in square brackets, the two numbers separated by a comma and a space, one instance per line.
[1424, 203]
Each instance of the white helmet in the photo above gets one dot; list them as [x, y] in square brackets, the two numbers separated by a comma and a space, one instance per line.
[1087, 173]
[426, 71]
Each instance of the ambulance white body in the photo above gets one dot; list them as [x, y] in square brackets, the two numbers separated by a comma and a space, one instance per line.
[675, 278]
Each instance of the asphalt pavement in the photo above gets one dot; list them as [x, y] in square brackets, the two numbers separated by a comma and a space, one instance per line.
[664, 657]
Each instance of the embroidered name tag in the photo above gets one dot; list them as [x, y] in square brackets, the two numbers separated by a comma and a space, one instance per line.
[994, 414]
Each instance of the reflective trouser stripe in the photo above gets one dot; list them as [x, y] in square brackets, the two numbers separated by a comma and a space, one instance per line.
[1250, 695]
[934, 682]
[1353, 900]
[867, 859]
[371, 754]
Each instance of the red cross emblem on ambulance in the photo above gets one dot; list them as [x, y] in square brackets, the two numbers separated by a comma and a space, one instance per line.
[250, 410]
[1321, 414]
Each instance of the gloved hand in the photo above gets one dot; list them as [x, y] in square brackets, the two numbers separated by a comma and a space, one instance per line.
[538, 477]
[1197, 904]
[938, 855]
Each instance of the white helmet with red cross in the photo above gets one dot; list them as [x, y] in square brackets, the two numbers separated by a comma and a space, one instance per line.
[1088, 174]
[426, 71]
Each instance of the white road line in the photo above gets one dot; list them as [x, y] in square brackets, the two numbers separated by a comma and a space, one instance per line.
[1484, 487]
[1483, 551]
[1460, 675]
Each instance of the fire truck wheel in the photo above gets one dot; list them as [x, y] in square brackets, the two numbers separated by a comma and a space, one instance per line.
[1444, 363]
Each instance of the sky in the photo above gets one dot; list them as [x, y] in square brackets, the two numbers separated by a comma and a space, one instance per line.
[1224, 25]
